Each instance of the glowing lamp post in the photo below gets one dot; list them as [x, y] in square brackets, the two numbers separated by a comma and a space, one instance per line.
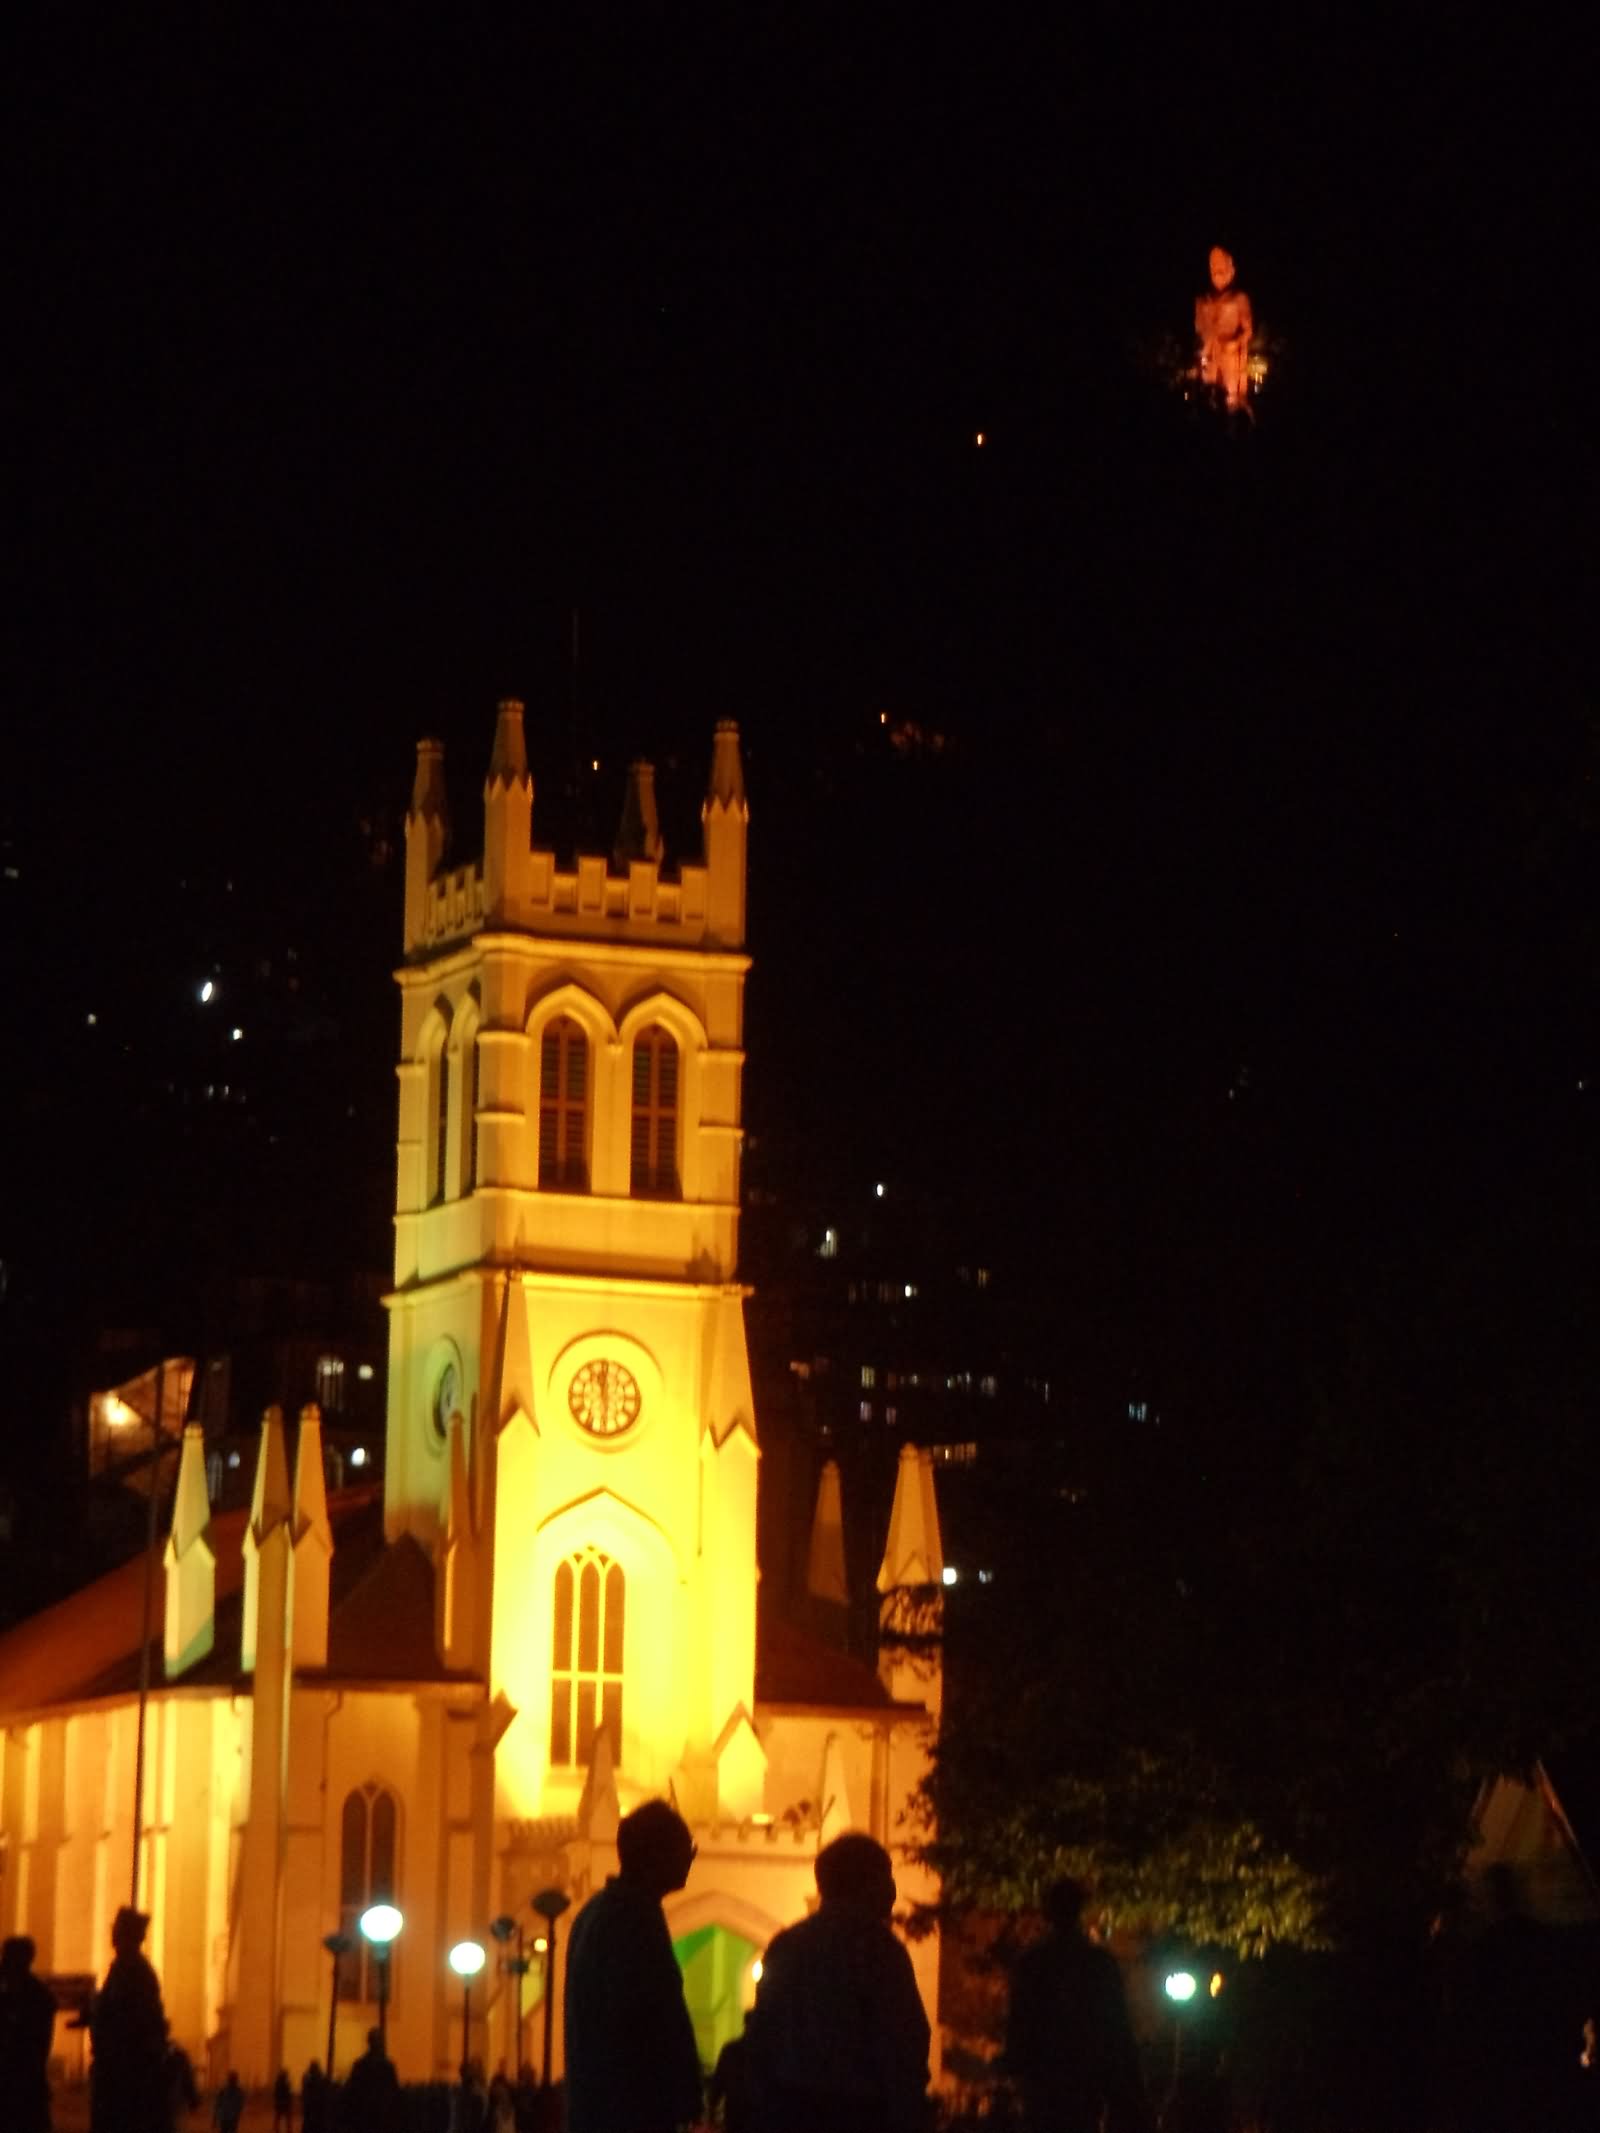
[338, 1946]
[1180, 1987]
[466, 1960]
[549, 1903]
[505, 1930]
[380, 1924]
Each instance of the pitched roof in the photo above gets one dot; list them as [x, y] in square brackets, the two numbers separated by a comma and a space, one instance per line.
[794, 1667]
[88, 1645]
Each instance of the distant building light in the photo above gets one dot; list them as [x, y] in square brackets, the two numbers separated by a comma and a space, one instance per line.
[92, 1019]
[983, 1277]
[208, 993]
[878, 1191]
[985, 1577]
[364, 1373]
[829, 1247]
[949, 1575]
[891, 1416]
[233, 1461]
[978, 440]
[236, 1035]
[869, 1376]
[988, 1387]
[1180, 1985]
[865, 1410]
[359, 1456]
[911, 1289]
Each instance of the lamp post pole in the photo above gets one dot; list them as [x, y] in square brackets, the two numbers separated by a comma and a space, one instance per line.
[338, 1946]
[549, 1903]
[144, 1630]
[466, 1959]
[505, 1929]
[380, 1923]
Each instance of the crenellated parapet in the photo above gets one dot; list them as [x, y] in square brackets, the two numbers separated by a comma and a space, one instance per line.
[633, 896]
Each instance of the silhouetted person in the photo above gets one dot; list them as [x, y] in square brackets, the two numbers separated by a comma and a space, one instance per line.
[128, 2078]
[283, 2102]
[27, 2028]
[227, 2106]
[1069, 2044]
[371, 2091]
[632, 2065]
[838, 2036]
[183, 2094]
[315, 2100]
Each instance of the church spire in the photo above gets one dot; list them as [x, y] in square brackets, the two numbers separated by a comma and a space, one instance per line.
[427, 829]
[190, 1562]
[639, 830]
[914, 1552]
[507, 818]
[910, 1615]
[725, 819]
[825, 1571]
[267, 1535]
[312, 1547]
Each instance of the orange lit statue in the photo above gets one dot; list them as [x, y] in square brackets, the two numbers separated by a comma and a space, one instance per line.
[1223, 321]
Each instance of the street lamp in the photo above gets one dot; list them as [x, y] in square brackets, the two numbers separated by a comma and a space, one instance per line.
[1180, 1987]
[379, 1924]
[506, 1929]
[549, 1903]
[466, 1959]
[338, 1946]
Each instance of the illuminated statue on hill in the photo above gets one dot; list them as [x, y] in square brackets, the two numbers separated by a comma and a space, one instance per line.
[1224, 324]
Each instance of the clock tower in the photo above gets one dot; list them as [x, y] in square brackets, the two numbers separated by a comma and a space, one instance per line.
[571, 1434]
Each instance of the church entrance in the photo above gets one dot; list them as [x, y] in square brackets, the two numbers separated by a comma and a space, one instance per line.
[718, 1984]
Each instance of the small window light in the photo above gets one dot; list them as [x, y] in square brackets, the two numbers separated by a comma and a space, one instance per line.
[911, 1288]
[359, 1456]
[949, 1575]
[878, 1191]
[237, 1034]
[92, 1019]
[207, 993]
[364, 1373]
[233, 1460]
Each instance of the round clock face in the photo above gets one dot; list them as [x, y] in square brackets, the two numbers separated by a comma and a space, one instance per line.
[446, 1398]
[604, 1398]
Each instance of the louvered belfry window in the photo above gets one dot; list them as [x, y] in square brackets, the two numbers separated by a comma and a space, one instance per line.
[564, 1107]
[655, 1115]
[586, 1658]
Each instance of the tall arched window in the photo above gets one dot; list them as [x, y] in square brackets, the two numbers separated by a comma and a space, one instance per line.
[586, 1658]
[441, 1128]
[655, 1115]
[564, 1107]
[469, 1154]
[368, 1859]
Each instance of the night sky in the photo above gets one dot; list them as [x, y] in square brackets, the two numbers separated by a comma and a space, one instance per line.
[1229, 969]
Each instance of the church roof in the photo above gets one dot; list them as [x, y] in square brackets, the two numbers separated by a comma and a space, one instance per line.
[794, 1667]
[380, 1621]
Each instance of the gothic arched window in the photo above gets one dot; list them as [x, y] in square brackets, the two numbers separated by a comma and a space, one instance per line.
[469, 1145]
[654, 1166]
[369, 1845]
[564, 1107]
[586, 1658]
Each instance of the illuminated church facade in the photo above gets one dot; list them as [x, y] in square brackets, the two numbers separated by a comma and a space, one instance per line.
[557, 1616]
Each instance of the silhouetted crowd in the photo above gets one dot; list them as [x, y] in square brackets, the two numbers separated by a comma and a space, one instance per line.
[836, 2042]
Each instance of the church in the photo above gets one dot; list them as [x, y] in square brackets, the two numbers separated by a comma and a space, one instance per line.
[444, 1696]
